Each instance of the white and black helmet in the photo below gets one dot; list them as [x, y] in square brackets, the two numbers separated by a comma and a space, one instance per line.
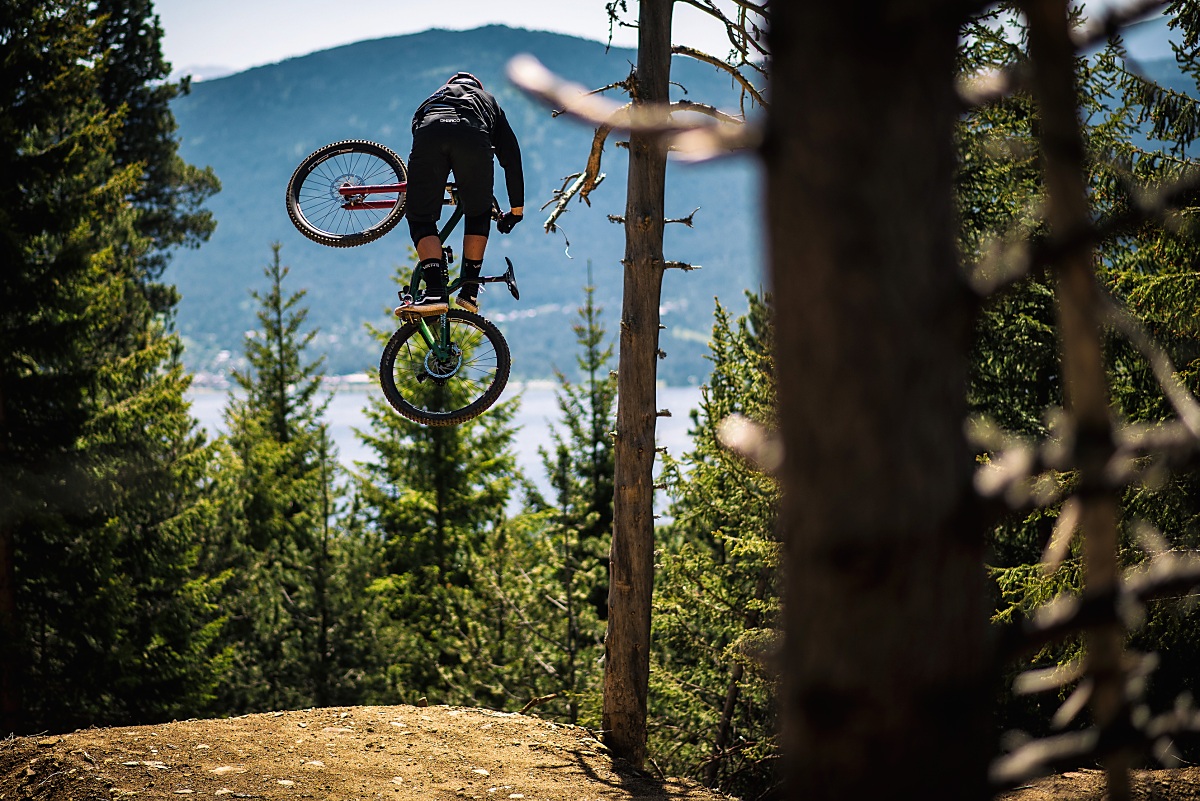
[466, 77]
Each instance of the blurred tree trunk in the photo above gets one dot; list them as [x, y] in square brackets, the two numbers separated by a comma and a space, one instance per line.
[10, 632]
[885, 686]
[627, 644]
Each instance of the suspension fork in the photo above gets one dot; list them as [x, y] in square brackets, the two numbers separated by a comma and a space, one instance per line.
[439, 343]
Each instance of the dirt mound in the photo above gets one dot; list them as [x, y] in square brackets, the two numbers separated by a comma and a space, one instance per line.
[398, 753]
[1088, 785]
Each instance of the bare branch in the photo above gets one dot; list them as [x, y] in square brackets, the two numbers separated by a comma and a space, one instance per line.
[624, 84]
[688, 220]
[707, 110]
[983, 88]
[739, 32]
[733, 72]
[691, 140]
[752, 442]
[587, 180]
[1177, 394]
[538, 702]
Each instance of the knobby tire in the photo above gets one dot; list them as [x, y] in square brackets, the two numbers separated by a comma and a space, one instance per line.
[445, 401]
[315, 207]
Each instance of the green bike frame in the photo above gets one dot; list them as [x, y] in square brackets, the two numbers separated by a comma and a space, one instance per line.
[439, 343]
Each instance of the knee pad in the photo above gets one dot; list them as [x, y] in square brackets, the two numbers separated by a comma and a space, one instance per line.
[479, 225]
[419, 229]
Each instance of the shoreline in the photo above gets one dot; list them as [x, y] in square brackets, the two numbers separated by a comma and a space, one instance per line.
[361, 382]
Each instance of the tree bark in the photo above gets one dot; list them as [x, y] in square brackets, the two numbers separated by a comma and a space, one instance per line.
[886, 653]
[1085, 380]
[627, 643]
[10, 631]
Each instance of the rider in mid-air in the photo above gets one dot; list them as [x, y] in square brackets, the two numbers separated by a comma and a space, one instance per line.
[457, 129]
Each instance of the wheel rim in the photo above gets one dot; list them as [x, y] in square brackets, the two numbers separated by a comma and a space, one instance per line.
[320, 203]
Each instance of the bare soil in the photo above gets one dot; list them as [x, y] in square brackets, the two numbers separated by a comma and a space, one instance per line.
[402, 753]
[1088, 785]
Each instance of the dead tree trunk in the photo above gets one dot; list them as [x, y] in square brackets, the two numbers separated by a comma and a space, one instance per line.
[10, 694]
[1085, 380]
[627, 643]
[885, 657]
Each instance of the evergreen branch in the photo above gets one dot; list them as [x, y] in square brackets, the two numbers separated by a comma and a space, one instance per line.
[1019, 256]
[1168, 575]
[983, 88]
[1177, 394]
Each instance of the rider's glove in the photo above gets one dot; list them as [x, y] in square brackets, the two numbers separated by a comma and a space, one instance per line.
[509, 221]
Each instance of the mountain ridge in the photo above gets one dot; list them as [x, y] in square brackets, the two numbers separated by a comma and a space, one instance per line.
[253, 127]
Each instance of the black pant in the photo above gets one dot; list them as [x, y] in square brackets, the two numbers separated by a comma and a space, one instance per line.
[439, 148]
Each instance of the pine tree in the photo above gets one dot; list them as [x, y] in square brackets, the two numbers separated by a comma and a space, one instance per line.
[133, 80]
[108, 618]
[278, 596]
[717, 594]
[1138, 134]
[579, 527]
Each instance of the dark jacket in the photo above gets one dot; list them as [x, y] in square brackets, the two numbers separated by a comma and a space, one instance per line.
[465, 103]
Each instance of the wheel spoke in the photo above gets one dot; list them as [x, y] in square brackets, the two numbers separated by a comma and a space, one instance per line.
[453, 389]
[321, 206]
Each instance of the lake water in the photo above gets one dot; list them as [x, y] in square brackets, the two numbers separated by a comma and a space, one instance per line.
[538, 411]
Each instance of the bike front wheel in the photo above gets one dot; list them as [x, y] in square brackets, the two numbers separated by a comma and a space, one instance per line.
[323, 205]
[454, 386]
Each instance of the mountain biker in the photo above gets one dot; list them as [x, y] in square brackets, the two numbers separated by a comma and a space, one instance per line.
[458, 128]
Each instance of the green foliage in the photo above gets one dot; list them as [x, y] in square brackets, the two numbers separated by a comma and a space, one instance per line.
[100, 467]
[295, 583]
[1138, 135]
[717, 587]
[578, 527]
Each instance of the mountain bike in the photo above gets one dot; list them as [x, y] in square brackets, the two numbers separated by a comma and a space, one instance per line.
[439, 370]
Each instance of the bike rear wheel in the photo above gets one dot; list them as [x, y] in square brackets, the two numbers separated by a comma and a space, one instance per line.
[449, 390]
[319, 206]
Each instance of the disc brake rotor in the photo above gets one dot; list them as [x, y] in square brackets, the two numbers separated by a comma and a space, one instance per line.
[441, 369]
[342, 182]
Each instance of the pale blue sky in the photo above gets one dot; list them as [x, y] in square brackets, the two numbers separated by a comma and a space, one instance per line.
[239, 34]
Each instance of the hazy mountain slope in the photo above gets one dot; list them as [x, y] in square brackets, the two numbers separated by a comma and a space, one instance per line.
[254, 127]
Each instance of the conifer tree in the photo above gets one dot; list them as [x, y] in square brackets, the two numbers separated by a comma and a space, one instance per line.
[579, 467]
[104, 615]
[717, 593]
[1138, 135]
[278, 596]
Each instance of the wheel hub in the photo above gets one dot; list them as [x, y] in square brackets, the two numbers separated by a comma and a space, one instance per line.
[440, 369]
[343, 182]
